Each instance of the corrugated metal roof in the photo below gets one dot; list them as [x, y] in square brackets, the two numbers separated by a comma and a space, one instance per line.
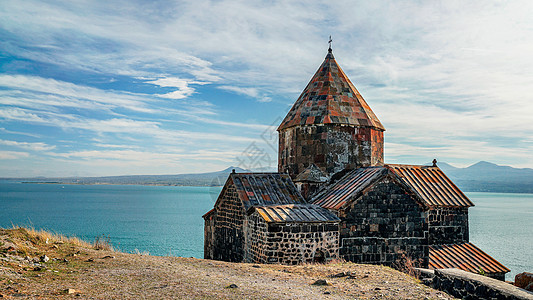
[465, 256]
[261, 189]
[330, 98]
[431, 185]
[350, 185]
[296, 213]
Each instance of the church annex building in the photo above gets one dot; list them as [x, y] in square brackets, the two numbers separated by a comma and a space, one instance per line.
[334, 197]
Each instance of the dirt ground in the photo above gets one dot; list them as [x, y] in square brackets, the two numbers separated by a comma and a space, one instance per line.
[73, 268]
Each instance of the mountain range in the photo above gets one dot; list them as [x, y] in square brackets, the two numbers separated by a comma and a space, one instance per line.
[480, 177]
[488, 177]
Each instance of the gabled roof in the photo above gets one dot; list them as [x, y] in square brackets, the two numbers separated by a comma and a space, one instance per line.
[260, 189]
[466, 257]
[348, 187]
[431, 185]
[311, 174]
[295, 213]
[330, 98]
[428, 183]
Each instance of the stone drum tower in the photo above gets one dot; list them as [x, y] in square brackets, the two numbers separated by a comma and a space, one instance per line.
[330, 126]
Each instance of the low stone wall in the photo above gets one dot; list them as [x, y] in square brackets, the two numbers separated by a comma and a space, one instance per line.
[468, 285]
[294, 243]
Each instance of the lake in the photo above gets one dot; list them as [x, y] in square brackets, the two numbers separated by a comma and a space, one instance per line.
[167, 220]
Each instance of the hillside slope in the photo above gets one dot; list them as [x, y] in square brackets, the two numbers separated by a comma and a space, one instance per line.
[75, 268]
[488, 177]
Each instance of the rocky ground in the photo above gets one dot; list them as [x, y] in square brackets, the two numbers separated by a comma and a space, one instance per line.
[43, 266]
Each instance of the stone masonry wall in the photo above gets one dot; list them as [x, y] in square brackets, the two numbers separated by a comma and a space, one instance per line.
[289, 243]
[255, 232]
[209, 236]
[448, 225]
[382, 225]
[332, 147]
[294, 243]
[229, 235]
[466, 285]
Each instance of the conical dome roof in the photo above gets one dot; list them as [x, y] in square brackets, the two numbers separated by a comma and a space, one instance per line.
[331, 98]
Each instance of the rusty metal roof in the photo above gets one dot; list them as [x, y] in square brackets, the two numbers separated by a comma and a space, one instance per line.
[296, 213]
[330, 98]
[348, 187]
[207, 214]
[431, 185]
[465, 256]
[260, 189]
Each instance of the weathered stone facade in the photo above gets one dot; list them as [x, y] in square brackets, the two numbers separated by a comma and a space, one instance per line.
[290, 243]
[382, 224]
[209, 234]
[448, 225]
[229, 220]
[394, 211]
[331, 147]
[262, 218]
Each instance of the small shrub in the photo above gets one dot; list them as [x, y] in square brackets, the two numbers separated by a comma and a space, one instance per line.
[136, 251]
[407, 265]
[102, 242]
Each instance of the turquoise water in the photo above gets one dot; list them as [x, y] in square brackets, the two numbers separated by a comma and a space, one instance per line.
[165, 220]
[502, 226]
[160, 220]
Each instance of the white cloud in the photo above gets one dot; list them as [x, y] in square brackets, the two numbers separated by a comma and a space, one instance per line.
[71, 94]
[452, 77]
[184, 89]
[19, 133]
[118, 125]
[250, 92]
[13, 155]
[144, 158]
[29, 146]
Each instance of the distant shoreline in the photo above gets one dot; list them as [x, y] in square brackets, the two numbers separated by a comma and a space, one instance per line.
[192, 185]
[106, 183]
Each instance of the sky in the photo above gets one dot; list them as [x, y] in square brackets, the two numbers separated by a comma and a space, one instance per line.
[95, 88]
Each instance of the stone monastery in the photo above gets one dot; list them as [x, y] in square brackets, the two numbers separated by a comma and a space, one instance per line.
[334, 198]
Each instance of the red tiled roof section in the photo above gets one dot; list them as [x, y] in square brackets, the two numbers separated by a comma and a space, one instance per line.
[466, 257]
[330, 98]
[259, 189]
[432, 186]
[351, 184]
[296, 213]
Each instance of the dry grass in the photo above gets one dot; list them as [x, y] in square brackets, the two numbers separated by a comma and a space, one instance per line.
[101, 274]
[27, 238]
